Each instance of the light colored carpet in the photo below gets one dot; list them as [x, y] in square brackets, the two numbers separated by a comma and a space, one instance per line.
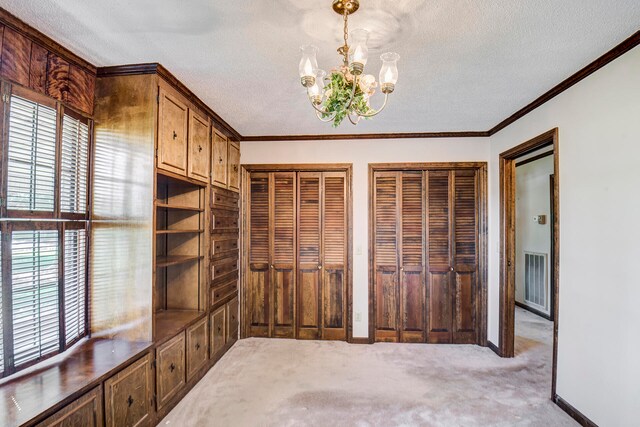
[275, 382]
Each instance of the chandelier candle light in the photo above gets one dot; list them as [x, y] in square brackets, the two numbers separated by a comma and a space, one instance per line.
[346, 91]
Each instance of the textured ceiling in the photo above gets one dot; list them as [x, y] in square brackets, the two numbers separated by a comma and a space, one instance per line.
[465, 64]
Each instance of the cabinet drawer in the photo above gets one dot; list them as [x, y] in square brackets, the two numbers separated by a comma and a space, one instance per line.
[199, 146]
[223, 266]
[219, 160]
[232, 319]
[218, 330]
[127, 395]
[197, 347]
[224, 221]
[234, 167]
[172, 133]
[85, 411]
[221, 246]
[221, 292]
[170, 369]
[223, 199]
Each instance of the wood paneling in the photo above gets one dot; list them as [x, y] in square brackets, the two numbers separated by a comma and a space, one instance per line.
[172, 133]
[38, 73]
[170, 369]
[85, 411]
[57, 78]
[81, 88]
[16, 57]
[127, 396]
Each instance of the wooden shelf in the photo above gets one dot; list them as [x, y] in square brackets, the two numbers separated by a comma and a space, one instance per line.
[178, 231]
[166, 261]
[171, 322]
[177, 208]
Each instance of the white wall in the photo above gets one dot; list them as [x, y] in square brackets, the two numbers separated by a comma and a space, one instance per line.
[599, 135]
[360, 153]
[533, 198]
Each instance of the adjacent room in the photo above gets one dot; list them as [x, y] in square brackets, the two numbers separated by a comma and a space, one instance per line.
[318, 213]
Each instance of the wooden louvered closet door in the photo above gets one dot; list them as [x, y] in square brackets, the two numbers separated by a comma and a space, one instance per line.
[334, 254]
[283, 253]
[309, 250]
[258, 278]
[385, 207]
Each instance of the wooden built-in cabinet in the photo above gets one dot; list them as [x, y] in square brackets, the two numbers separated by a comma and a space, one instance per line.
[197, 347]
[128, 395]
[170, 369]
[296, 283]
[199, 147]
[225, 162]
[85, 411]
[173, 115]
[426, 227]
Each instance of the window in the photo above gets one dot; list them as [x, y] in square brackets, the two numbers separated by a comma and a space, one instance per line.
[43, 227]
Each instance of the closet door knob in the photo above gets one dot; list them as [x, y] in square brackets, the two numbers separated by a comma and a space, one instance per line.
[319, 267]
[450, 268]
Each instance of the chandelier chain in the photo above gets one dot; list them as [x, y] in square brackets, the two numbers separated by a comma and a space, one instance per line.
[345, 48]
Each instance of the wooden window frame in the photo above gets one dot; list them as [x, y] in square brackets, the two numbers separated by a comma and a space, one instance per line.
[22, 220]
[481, 167]
[245, 170]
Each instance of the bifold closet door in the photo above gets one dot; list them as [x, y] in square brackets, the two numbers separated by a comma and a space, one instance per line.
[400, 299]
[322, 253]
[452, 235]
[271, 279]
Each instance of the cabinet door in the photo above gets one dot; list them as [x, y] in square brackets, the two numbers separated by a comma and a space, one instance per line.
[232, 319]
[465, 257]
[334, 255]
[309, 250]
[85, 411]
[170, 374]
[385, 208]
[234, 166]
[283, 253]
[219, 160]
[439, 257]
[197, 347]
[172, 133]
[258, 277]
[199, 147]
[218, 330]
[127, 395]
[412, 290]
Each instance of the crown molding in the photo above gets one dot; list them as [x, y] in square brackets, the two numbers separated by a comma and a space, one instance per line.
[267, 138]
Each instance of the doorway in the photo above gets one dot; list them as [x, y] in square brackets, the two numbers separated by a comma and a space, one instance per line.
[535, 298]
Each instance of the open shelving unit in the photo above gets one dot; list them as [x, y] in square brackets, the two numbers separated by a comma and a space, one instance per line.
[180, 289]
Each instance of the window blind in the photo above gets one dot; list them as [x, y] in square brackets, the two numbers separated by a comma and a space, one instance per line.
[73, 180]
[74, 284]
[32, 151]
[34, 291]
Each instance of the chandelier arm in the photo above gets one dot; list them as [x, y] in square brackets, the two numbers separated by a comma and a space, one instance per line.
[319, 111]
[351, 120]
[319, 115]
[375, 112]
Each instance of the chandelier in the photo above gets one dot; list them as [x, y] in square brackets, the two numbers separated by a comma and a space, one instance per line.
[347, 90]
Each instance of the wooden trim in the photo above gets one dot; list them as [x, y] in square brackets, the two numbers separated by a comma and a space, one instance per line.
[580, 418]
[534, 158]
[299, 167]
[45, 41]
[507, 244]
[345, 136]
[616, 52]
[359, 340]
[534, 311]
[493, 347]
[156, 68]
[481, 168]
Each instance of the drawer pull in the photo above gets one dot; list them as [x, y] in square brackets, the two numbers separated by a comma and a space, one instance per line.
[220, 160]
[199, 148]
[197, 346]
[130, 401]
[219, 329]
[175, 135]
[172, 367]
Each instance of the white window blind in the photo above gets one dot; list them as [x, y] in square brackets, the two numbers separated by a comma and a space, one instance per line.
[32, 151]
[74, 283]
[73, 180]
[1, 329]
[34, 291]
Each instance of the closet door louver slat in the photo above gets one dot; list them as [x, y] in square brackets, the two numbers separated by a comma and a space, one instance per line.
[258, 277]
[283, 275]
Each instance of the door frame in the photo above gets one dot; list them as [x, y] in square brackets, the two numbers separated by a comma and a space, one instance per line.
[508, 239]
[481, 295]
[245, 171]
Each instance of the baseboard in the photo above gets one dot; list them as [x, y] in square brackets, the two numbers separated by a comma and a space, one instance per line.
[534, 311]
[493, 347]
[359, 340]
[573, 412]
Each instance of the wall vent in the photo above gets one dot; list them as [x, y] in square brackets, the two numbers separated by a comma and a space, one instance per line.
[535, 279]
